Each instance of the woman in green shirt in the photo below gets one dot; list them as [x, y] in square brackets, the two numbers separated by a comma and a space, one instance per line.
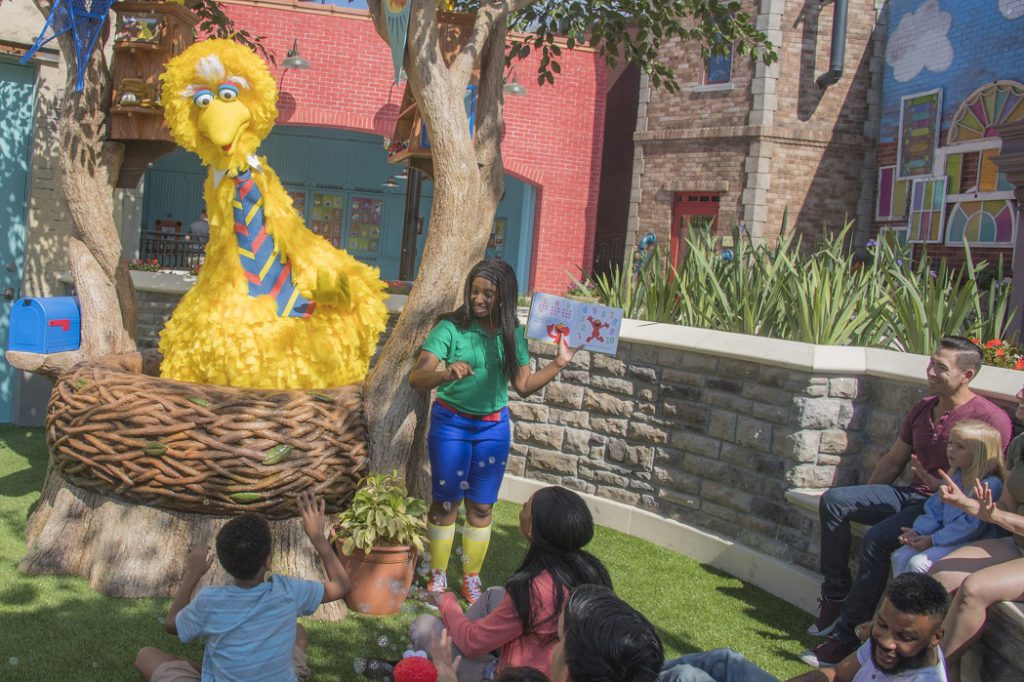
[483, 348]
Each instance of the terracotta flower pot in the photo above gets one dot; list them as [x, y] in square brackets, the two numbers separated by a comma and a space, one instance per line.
[380, 580]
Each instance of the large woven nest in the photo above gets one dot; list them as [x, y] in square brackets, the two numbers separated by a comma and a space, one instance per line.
[114, 429]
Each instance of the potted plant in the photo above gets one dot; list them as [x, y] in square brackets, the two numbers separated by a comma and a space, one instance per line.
[378, 538]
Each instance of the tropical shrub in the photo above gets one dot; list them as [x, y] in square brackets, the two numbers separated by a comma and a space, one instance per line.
[824, 295]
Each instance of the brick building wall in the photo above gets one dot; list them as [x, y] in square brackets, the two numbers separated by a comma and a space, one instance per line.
[956, 48]
[774, 143]
[553, 135]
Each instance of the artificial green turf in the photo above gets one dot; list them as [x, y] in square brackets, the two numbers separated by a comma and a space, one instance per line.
[56, 628]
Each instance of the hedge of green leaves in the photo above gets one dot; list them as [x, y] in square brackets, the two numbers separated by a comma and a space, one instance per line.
[824, 295]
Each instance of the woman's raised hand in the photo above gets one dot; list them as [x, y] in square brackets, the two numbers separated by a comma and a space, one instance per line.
[458, 370]
[986, 505]
[565, 353]
[952, 494]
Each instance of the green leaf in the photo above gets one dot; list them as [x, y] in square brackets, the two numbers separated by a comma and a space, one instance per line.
[277, 454]
[201, 402]
[154, 448]
[246, 497]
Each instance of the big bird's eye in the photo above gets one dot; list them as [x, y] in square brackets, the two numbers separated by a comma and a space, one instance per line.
[227, 92]
[202, 98]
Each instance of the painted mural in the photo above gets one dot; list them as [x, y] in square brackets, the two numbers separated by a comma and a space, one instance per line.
[950, 45]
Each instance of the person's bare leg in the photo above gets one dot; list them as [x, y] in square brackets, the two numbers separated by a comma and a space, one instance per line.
[150, 658]
[301, 637]
[966, 616]
[954, 568]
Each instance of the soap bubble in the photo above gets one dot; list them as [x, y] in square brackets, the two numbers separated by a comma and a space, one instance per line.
[490, 460]
[447, 506]
[359, 665]
[13, 661]
[441, 482]
[460, 473]
[364, 607]
[458, 550]
[396, 587]
[464, 485]
[383, 641]
[482, 465]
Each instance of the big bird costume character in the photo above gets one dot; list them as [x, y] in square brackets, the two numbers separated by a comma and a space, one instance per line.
[275, 306]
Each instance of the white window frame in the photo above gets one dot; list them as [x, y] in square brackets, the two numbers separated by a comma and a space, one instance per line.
[939, 168]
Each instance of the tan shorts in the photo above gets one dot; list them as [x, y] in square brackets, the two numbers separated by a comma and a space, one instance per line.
[182, 670]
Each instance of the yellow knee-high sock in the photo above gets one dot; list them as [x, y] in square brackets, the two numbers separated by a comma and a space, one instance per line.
[440, 539]
[474, 547]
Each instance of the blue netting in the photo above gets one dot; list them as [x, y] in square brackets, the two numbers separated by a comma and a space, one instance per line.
[84, 19]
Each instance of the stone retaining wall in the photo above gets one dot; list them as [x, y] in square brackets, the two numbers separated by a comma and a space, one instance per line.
[710, 441]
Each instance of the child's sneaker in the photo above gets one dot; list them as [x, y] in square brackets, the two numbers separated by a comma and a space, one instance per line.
[438, 580]
[472, 587]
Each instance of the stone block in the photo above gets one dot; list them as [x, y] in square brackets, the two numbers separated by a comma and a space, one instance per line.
[644, 353]
[680, 391]
[607, 404]
[729, 401]
[883, 426]
[767, 394]
[544, 435]
[648, 393]
[678, 498]
[771, 413]
[727, 385]
[817, 413]
[647, 433]
[677, 479]
[675, 376]
[754, 433]
[612, 427]
[707, 469]
[801, 445]
[699, 362]
[833, 442]
[541, 349]
[811, 476]
[690, 442]
[643, 373]
[843, 387]
[722, 425]
[769, 546]
[581, 360]
[719, 511]
[618, 450]
[670, 357]
[577, 419]
[619, 495]
[564, 395]
[726, 496]
[776, 377]
[694, 417]
[607, 364]
[851, 416]
[516, 465]
[642, 486]
[756, 524]
[549, 460]
[579, 484]
[738, 369]
[612, 384]
[604, 477]
[521, 411]
[575, 376]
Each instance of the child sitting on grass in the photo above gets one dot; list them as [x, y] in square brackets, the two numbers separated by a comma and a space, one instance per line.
[250, 627]
[975, 453]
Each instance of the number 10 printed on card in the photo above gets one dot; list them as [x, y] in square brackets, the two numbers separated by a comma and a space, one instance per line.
[592, 326]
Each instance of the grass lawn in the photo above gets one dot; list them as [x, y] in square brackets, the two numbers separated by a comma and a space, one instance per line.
[56, 628]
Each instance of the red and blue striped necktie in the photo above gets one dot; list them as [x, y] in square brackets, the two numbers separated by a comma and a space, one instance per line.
[265, 271]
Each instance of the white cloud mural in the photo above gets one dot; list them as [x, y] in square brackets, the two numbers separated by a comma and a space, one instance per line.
[1012, 9]
[920, 42]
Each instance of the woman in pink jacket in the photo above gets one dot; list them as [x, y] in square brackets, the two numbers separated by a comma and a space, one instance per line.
[520, 620]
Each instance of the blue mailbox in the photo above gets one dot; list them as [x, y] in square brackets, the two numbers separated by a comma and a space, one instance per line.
[45, 325]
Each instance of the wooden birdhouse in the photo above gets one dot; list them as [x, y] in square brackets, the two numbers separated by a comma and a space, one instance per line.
[146, 36]
[410, 140]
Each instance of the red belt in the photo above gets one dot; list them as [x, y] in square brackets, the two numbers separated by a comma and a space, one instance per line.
[492, 417]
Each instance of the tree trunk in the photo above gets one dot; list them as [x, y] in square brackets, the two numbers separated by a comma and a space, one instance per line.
[468, 183]
[132, 550]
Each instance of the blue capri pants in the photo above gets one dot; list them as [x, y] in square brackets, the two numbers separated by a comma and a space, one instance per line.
[467, 455]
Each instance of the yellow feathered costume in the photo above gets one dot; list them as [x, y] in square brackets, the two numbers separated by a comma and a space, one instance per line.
[220, 102]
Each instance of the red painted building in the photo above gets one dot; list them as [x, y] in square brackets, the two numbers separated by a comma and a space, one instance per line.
[553, 137]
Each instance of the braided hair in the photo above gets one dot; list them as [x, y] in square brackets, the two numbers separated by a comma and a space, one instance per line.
[562, 526]
[503, 277]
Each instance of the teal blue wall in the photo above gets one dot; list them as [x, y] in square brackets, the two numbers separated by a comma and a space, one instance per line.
[335, 161]
[17, 102]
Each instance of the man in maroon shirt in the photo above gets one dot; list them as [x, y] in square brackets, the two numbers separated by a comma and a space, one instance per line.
[922, 440]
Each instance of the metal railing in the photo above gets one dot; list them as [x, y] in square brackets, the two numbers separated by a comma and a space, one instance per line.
[172, 251]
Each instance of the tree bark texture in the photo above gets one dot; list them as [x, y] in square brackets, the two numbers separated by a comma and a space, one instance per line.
[131, 550]
[468, 183]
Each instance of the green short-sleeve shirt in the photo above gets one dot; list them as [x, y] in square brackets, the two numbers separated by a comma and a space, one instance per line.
[487, 390]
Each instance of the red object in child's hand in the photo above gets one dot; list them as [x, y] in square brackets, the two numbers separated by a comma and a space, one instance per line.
[415, 669]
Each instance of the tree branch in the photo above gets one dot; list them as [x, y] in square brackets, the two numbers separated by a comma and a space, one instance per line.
[487, 18]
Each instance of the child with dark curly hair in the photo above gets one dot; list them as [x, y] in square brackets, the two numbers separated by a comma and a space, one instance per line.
[250, 626]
